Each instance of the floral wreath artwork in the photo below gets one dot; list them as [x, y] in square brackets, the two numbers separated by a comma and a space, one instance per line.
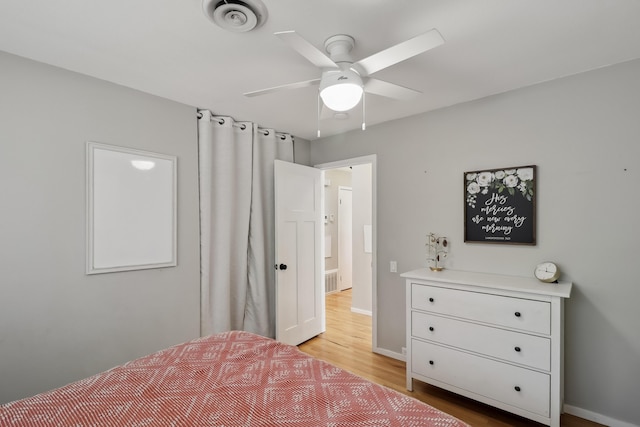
[500, 205]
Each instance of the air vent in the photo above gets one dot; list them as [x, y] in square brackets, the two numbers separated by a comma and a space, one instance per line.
[235, 15]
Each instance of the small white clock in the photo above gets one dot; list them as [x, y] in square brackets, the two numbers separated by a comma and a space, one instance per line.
[547, 272]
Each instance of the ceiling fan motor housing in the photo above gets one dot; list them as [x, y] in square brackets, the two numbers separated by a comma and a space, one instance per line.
[339, 48]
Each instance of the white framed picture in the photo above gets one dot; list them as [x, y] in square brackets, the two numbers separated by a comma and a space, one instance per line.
[131, 209]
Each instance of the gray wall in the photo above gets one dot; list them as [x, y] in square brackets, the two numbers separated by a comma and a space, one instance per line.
[56, 323]
[583, 134]
[301, 151]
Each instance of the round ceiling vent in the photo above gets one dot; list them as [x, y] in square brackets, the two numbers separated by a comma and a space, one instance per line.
[235, 15]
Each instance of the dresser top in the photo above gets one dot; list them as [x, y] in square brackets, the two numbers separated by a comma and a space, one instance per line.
[492, 281]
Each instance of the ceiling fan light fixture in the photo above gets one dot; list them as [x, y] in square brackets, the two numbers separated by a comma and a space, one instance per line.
[341, 90]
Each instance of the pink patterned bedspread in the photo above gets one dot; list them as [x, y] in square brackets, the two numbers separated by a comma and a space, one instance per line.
[229, 379]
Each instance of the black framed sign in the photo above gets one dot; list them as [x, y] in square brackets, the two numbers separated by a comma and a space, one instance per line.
[500, 205]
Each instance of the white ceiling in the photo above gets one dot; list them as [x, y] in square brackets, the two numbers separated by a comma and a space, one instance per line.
[170, 49]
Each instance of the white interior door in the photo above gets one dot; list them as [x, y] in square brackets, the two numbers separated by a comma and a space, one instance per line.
[299, 255]
[345, 238]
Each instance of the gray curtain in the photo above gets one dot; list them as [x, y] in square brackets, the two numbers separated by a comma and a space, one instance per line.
[237, 224]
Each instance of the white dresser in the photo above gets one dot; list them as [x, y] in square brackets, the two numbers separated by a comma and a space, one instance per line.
[496, 339]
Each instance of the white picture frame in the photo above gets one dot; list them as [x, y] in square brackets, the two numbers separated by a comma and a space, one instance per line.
[131, 209]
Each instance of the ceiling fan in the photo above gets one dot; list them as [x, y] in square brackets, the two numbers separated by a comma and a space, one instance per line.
[343, 81]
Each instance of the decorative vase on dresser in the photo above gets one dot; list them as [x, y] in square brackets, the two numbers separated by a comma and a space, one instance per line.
[496, 339]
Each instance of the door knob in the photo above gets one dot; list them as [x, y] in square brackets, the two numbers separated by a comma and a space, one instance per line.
[283, 266]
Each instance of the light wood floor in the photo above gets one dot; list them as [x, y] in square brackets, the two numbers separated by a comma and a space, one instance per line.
[347, 344]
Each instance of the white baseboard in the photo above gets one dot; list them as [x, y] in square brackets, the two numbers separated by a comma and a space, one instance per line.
[360, 311]
[595, 417]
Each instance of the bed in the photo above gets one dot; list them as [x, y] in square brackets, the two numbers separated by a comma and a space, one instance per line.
[229, 379]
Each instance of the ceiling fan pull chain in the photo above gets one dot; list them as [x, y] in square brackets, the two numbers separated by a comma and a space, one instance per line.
[364, 126]
[318, 116]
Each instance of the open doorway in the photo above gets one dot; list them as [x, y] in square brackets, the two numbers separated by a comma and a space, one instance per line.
[351, 182]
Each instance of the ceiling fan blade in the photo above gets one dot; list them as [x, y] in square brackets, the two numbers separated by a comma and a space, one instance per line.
[306, 49]
[289, 86]
[390, 90]
[399, 53]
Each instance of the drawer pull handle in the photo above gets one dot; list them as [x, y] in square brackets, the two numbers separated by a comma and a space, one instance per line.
[431, 328]
[517, 388]
[431, 362]
[517, 349]
[517, 313]
[431, 300]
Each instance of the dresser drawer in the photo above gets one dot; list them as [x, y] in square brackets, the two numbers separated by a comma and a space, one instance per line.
[519, 387]
[518, 313]
[517, 347]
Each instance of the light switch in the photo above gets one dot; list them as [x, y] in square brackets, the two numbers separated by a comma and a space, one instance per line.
[393, 266]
